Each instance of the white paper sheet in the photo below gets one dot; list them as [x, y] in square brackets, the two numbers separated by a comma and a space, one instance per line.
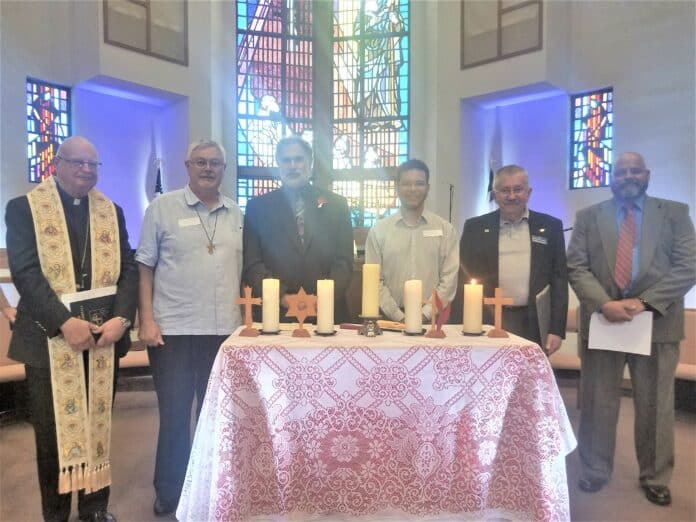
[632, 336]
[88, 294]
[543, 306]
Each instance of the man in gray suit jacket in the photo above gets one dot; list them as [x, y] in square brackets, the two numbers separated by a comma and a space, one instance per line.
[659, 268]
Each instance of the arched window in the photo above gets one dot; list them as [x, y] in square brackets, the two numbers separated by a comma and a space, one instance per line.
[336, 73]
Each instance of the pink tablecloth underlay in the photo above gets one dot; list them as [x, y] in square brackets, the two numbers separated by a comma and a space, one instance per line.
[348, 425]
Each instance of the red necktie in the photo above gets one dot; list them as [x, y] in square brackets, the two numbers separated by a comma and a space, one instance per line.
[624, 249]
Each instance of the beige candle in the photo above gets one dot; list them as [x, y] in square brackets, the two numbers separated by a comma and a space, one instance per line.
[270, 305]
[473, 308]
[413, 299]
[370, 290]
[325, 306]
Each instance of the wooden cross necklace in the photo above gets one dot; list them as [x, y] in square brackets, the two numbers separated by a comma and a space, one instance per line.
[211, 245]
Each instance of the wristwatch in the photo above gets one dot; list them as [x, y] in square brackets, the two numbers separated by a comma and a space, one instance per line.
[124, 322]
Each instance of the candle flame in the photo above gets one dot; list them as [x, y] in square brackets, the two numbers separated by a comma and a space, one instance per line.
[473, 281]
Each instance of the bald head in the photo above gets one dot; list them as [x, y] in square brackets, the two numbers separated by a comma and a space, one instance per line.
[633, 157]
[74, 143]
[629, 177]
[76, 166]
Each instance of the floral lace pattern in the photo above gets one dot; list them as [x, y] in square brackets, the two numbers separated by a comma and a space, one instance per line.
[427, 430]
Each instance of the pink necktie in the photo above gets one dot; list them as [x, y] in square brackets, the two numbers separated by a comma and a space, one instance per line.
[624, 249]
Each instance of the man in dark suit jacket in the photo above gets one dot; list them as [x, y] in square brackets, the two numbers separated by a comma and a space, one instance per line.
[522, 252]
[41, 314]
[656, 241]
[297, 233]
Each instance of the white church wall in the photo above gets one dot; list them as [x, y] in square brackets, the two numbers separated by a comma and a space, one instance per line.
[652, 73]
[652, 70]
[223, 98]
[535, 135]
[192, 81]
[472, 191]
[62, 42]
[24, 51]
[124, 147]
[129, 146]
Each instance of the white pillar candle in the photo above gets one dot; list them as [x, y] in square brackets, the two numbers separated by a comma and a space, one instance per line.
[473, 308]
[325, 306]
[270, 305]
[370, 290]
[413, 300]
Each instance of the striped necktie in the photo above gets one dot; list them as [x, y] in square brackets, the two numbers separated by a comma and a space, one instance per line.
[299, 217]
[624, 249]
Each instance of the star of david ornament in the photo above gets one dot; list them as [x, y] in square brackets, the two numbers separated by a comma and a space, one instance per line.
[301, 305]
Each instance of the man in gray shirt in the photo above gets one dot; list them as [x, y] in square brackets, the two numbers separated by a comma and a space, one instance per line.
[190, 261]
[413, 244]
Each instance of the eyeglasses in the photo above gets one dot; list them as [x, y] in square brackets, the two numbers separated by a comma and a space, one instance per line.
[203, 163]
[515, 191]
[80, 164]
[629, 170]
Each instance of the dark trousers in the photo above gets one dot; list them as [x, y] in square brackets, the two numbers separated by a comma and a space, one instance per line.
[516, 321]
[180, 368]
[55, 507]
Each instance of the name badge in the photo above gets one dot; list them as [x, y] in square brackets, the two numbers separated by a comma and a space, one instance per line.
[432, 233]
[540, 239]
[189, 222]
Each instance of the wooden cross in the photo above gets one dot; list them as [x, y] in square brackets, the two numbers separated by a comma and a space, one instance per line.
[247, 301]
[435, 330]
[301, 305]
[498, 301]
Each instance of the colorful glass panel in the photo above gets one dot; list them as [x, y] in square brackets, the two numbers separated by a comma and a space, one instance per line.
[274, 76]
[48, 124]
[369, 112]
[370, 82]
[248, 188]
[592, 139]
[368, 200]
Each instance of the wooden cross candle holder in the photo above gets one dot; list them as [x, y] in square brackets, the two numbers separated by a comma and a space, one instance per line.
[498, 301]
[247, 302]
[301, 305]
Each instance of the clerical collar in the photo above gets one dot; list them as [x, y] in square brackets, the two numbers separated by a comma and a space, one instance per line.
[67, 199]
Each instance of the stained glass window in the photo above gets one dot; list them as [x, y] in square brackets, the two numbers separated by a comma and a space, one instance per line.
[274, 78]
[368, 199]
[592, 134]
[48, 124]
[248, 188]
[345, 81]
[370, 101]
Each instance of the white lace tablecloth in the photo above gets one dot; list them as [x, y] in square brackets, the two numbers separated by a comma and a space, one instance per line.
[385, 428]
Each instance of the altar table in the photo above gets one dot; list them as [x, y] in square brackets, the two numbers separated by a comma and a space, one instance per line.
[385, 428]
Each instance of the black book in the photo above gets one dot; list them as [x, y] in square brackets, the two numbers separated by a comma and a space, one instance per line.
[95, 306]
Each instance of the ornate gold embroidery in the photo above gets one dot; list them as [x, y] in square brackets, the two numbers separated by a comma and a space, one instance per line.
[77, 426]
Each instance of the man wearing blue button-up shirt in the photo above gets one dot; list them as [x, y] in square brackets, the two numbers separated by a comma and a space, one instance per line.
[629, 254]
[190, 259]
